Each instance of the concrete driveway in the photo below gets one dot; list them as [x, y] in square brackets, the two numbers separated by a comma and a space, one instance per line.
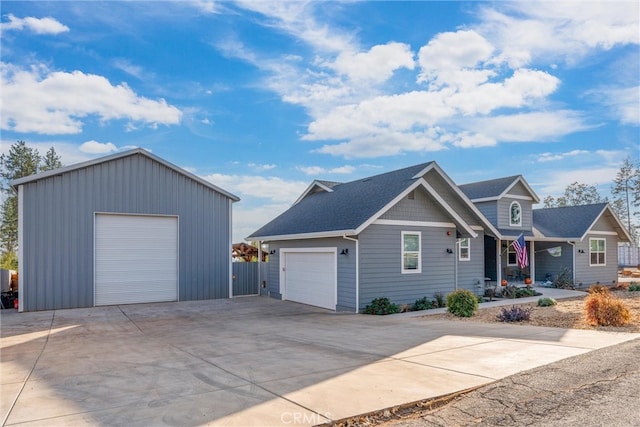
[251, 361]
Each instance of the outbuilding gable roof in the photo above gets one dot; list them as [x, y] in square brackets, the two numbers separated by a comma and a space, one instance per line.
[574, 222]
[495, 189]
[135, 151]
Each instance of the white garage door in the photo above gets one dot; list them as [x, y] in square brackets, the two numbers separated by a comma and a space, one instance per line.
[136, 259]
[310, 278]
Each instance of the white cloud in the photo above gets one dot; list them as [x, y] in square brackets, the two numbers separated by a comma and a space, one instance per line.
[377, 65]
[95, 147]
[129, 68]
[263, 167]
[554, 157]
[46, 25]
[452, 58]
[555, 182]
[274, 188]
[318, 170]
[624, 103]
[560, 31]
[55, 102]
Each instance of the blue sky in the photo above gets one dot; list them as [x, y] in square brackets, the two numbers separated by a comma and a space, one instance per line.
[261, 98]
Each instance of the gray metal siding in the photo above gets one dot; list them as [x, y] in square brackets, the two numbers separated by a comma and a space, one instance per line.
[380, 264]
[57, 271]
[346, 267]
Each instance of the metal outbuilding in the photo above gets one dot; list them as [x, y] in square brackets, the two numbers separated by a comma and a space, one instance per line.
[126, 228]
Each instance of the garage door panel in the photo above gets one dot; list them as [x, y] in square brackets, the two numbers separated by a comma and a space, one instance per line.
[310, 278]
[136, 259]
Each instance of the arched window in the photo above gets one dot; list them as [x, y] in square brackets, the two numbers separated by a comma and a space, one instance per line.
[515, 214]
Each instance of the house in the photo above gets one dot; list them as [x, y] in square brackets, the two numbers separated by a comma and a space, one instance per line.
[413, 232]
[126, 228]
[403, 234]
[580, 241]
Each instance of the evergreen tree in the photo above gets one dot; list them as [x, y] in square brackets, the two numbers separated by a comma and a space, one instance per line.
[626, 192]
[20, 161]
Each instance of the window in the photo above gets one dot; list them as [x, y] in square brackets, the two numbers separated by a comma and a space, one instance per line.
[411, 259]
[464, 250]
[597, 252]
[515, 214]
[512, 256]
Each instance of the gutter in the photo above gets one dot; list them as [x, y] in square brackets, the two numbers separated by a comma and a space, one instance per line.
[344, 236]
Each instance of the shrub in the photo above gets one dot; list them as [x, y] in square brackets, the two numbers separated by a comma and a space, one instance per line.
[525, 292]
[514, 314]
[462, 303]
[564, 280]
[602, 309]
[381, 306]
[440, 300]
[634, 287]
[546, 302]
[598, 289]
[422, 304]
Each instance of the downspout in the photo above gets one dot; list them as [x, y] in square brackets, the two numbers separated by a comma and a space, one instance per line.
[344, 236]
[573, 267]
[259, 266]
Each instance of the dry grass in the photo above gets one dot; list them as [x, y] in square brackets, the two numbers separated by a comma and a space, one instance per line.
[568, 313]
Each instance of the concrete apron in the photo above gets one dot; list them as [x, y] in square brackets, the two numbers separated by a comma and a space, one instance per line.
[251, 361]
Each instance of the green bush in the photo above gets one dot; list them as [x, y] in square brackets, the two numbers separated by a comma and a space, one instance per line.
[634, 287]
[423, 303]
[462, 303]
[546, 302]
[381, 306]
[525, 292]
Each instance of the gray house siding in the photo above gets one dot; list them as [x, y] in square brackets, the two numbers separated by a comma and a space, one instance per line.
[451, 197]
[471, 273]
[548, 266]
[418, 209]
[346, 267]
[604, 274]
[58, 229]
[518, 190]
[503, 207]
[381, 264]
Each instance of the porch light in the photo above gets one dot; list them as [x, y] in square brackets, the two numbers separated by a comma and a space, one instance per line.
[344, 252]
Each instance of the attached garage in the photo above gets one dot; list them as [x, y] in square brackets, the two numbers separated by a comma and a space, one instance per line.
[310, 276]
[136, 259]
[126, 228]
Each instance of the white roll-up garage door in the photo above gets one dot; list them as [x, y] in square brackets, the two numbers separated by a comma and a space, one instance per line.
[136, 259]
[310, 278]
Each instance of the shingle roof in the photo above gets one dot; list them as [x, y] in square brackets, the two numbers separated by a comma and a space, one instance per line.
[348, 206]
[569, 222]
[487, 189]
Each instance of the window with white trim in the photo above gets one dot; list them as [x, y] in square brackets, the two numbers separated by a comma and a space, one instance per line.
[464, 249]
[597, 252]
[515, 214]
[411, 252]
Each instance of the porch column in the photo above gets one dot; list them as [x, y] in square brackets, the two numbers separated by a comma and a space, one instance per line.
[499, 261]
[532, 261]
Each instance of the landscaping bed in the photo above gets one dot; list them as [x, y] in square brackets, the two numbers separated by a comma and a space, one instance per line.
[568, 313]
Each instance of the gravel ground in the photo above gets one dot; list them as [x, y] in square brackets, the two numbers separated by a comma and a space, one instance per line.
[568, 313]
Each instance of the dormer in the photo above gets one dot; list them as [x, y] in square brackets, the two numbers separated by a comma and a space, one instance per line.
[506, 202]
[317, 186]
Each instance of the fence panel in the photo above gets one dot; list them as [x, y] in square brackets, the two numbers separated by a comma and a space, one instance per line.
[245, 278]
[628, 256]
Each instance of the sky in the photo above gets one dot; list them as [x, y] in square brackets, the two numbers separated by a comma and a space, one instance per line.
[262, 97]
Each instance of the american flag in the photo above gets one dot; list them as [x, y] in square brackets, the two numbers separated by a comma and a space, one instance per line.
[521, 251]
